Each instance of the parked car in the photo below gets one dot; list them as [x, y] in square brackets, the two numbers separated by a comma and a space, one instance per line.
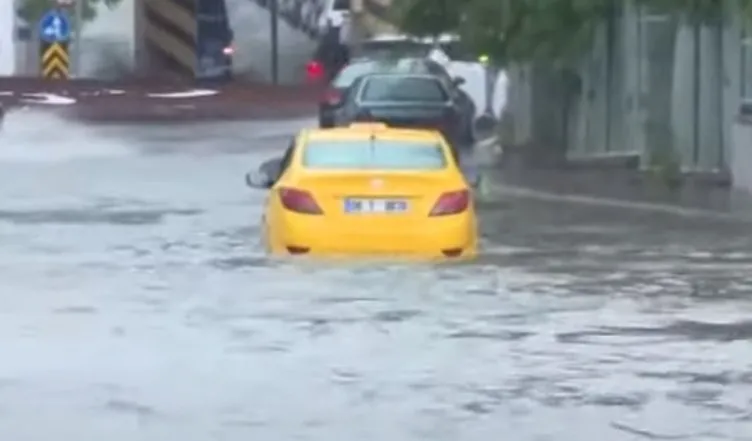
[409, 100]
[215, 43]
[331, 55]
[487, 89]
[331, 104]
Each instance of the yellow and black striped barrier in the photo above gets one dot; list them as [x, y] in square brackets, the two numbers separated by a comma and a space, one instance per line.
[55, 61]
[171, 30]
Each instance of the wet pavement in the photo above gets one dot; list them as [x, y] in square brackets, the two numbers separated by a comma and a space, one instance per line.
[138, 305]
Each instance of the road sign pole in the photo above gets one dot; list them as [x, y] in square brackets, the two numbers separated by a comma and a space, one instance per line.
[55, 64]
[54, 36]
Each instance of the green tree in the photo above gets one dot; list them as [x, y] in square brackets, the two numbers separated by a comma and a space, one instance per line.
[529, 30]
[33, 10]
[508, 29]
[429, 17]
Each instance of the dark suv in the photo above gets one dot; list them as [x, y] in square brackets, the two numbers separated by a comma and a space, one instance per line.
[417, 101]
[331, 104]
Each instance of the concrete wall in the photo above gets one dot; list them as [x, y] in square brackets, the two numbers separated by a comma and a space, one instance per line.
[741, 163]
[7, 47]
[108, 45]
[651, 85]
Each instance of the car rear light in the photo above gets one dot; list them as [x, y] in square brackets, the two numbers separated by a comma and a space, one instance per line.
[453, 202]
[314, 70]
[333, 97]
[299, 201]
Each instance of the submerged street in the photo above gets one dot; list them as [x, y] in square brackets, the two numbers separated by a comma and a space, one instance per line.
[138, 305]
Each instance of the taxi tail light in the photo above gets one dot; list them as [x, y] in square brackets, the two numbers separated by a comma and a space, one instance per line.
[299, 201]
[453, 202]
[333, 97]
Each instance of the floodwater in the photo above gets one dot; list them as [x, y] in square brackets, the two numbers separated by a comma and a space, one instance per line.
[138, 305]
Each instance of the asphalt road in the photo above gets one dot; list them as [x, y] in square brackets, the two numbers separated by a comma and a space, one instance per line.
[137, 305]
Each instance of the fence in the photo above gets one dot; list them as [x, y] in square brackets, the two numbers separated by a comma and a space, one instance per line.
[746, 66]
[654, 85]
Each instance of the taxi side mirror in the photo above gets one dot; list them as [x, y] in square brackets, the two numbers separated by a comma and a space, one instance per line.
[458, 81]
[258, 179]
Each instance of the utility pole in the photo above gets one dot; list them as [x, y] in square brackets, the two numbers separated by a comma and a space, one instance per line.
[274, 29]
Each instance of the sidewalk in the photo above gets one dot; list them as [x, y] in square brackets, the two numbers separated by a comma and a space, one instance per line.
[617, 188]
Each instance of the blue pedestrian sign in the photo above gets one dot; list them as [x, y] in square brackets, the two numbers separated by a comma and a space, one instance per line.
[54, 27]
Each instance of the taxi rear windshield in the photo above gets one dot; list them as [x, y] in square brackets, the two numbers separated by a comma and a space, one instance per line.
[376, 154]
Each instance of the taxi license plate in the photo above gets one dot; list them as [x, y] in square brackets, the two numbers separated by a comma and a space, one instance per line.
[373, 206]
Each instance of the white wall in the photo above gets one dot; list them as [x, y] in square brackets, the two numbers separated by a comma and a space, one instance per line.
[7, 47]
[741, 155]
[108, 43]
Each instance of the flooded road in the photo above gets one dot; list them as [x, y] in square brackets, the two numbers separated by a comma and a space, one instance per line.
[138, 305]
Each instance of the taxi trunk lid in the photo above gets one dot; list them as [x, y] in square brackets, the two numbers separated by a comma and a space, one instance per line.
[386, 197]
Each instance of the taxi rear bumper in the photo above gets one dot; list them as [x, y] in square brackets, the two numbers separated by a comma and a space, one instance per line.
[452, 237]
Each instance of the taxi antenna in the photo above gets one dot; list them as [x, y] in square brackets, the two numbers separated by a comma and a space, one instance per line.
[372, 143]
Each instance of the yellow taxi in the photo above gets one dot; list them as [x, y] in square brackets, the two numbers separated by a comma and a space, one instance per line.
[369, 190]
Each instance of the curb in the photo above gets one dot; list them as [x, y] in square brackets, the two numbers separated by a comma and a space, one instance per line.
[495, 189]
[489, 190]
